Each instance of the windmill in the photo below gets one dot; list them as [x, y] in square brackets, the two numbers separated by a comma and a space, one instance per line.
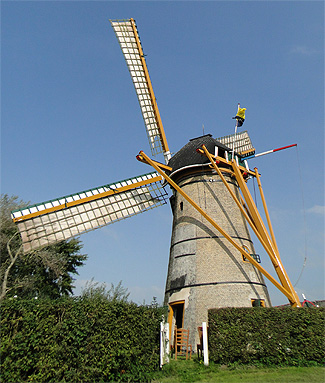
[212, 259]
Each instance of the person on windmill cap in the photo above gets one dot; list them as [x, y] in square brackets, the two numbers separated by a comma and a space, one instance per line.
[240, 116]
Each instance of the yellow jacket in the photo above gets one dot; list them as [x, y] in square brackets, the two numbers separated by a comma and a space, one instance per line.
[241, 113]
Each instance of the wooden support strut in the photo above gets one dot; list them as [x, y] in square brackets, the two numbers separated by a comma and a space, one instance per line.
[273, 236]
[216, 226]
[272, 251]
[266, 212]
[241, 207]
[162, 166]
[285, 281]
[226, 162]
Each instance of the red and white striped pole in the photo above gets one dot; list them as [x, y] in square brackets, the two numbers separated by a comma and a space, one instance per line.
[270, 151]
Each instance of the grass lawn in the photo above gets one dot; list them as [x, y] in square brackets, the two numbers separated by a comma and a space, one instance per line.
[193, 371]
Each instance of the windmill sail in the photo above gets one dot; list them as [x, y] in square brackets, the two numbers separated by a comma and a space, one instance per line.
[242, 142]
[69, 216]
[128, 37]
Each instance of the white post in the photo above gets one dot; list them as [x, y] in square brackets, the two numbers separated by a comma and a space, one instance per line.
[205, 344]
[167, 344]
[233, 145]
[236, 126]
[161, 344]
[164, 343]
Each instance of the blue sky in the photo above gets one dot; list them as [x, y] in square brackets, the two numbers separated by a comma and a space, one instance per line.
[71, 121]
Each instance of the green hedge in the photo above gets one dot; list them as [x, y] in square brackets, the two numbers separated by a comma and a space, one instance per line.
[78, 340]
[267, 336]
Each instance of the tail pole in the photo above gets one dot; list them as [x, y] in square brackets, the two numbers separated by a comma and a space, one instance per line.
[270, 151]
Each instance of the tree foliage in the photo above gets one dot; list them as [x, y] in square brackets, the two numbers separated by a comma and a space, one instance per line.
[98, 291]
[46, 272]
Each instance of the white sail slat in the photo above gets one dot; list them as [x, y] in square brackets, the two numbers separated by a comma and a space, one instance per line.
[61, 219]
[125, 34]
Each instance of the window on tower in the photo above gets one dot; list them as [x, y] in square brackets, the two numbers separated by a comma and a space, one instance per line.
[254, 256]
[258, 302]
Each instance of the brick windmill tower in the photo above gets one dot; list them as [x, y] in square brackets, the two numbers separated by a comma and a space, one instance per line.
[212, 259]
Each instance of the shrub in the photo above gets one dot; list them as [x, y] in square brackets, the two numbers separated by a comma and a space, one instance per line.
[267, 336]
[78, 339]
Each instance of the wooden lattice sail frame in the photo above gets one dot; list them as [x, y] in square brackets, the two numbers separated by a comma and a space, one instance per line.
[63, 218]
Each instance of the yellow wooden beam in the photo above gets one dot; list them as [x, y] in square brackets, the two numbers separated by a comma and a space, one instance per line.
[252, 207]
[88, 199]
[273, 256]
[247, 151]
[162, 166]
[225, 162]
[272, 233]
[216, 226]
[247, 216]
[152, 95]
[246, 209]
[266, 211]
[279, 268]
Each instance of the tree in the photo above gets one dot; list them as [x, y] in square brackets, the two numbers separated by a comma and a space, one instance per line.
[47, 272]
[95, 291]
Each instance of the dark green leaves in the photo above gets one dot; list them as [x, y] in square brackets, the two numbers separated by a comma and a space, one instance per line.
[267, 336]
[78, 339]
